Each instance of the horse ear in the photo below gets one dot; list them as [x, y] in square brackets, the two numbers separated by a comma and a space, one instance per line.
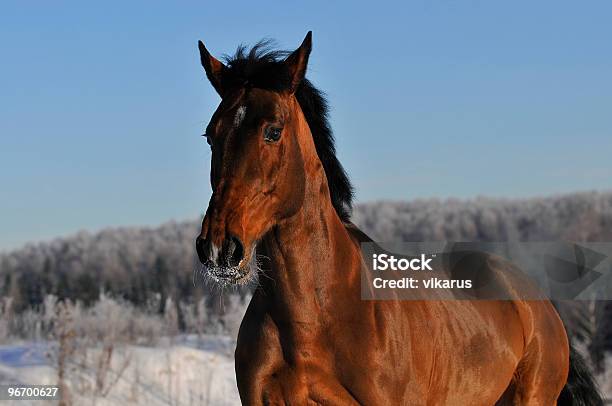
[297, 62]
[213, 67]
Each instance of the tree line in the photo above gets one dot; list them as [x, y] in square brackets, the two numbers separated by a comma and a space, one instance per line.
[137, 263]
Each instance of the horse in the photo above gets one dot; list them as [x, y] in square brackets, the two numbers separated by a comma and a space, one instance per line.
[307, 337]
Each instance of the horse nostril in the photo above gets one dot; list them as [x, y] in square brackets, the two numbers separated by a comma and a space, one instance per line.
[233, 251]
[202, 249]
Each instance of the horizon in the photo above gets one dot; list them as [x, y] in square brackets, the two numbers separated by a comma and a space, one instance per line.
[103, 114]
[152, 226]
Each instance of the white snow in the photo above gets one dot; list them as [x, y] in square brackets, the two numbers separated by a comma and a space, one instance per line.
[190, 371]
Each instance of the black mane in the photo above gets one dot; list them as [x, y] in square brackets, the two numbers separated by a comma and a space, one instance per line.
[263, 67]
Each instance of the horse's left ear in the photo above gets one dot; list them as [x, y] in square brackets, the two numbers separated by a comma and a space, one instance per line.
[213, 67]
[297, 62]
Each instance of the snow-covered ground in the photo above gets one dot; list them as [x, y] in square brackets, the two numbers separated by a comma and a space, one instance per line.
[188, 371]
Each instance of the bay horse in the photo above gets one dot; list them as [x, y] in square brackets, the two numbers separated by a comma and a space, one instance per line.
[307, 337]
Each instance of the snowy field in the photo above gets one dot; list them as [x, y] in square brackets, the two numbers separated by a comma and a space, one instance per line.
[189, 371]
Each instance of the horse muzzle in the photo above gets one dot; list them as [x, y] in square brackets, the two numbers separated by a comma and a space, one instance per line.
[229, 255]
[225, 265]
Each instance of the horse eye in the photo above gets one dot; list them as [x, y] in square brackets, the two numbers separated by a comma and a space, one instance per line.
[272, 134]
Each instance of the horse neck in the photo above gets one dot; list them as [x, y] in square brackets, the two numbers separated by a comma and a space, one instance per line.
[312, 257]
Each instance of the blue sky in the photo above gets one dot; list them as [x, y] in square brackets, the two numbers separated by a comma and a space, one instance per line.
[102, 104]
